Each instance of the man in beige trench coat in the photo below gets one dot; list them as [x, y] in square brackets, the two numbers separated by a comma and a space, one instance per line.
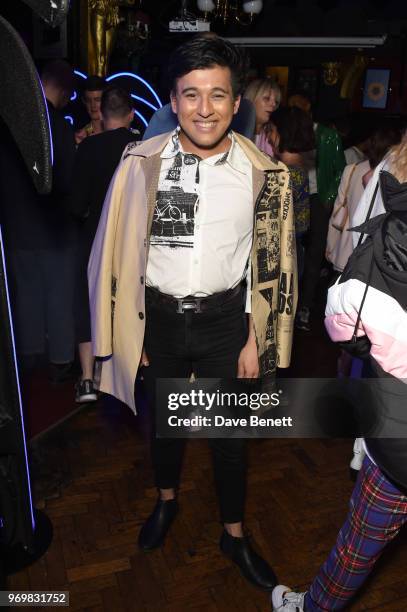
[193, 218]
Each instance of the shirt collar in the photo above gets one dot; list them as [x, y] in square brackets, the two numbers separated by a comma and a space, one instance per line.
[235, 157]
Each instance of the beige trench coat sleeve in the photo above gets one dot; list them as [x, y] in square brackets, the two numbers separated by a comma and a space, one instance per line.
[116, 274]
[288, 284]
[100, 269]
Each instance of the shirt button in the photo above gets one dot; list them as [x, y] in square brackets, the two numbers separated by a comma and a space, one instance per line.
[142, 280]
[141, 315]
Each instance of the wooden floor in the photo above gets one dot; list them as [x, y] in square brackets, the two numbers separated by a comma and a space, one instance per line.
[92, 477]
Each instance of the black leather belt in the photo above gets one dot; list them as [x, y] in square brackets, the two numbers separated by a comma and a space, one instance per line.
[191, 303]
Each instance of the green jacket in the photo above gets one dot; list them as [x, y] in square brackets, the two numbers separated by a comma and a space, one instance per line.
[330, 163]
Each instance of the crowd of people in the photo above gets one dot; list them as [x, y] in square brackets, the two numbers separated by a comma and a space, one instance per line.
[150, 255]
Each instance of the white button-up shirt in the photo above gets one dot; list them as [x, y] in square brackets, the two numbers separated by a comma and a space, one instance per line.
[202, 228]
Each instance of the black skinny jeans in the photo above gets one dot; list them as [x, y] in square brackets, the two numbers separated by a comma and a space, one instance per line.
[315, 251]
[207, 344]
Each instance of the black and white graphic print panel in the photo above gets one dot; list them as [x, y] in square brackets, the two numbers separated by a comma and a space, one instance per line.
[177, 198]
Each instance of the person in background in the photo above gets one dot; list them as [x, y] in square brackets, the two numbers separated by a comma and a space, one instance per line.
[265, 94]
[324, 180]
[371, 202]
[355, 131]
[95, 163]
[373, 287]
[353, 182]
[291, 134]
[40, 239]
[340, 241]
[92, 97]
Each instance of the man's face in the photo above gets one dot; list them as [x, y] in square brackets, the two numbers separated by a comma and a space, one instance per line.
[205, 105]
[92, 100]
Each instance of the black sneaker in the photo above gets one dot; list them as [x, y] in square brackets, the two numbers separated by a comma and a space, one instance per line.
[85, 391]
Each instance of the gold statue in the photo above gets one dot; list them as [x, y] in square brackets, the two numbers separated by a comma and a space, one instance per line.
[331, 72]
[103, 21]
[353, 75]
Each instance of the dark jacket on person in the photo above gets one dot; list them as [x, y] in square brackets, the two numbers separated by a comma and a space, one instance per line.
[380, 263]
[96, 160]
[31, 221]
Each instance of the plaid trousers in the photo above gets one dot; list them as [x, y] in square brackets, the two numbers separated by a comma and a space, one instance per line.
[377, 511]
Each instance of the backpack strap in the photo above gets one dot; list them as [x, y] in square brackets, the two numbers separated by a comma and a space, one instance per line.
[369, 277]
[369, 212]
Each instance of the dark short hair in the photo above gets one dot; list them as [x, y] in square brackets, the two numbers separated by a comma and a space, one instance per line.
[60, 73]
[116, 102]
[301, 99]
[386, 135]
[201, 52]
[93, 83]
[361, 127]
[295, 128]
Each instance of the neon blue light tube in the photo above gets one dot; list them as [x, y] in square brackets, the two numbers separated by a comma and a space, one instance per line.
[138, 78]
[17, 380]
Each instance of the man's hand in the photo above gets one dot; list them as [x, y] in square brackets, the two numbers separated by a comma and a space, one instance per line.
[248, 363]
[143, 359]
[79, 136]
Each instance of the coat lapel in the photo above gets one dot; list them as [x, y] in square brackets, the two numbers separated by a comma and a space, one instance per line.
[151, 168]
[258, 182]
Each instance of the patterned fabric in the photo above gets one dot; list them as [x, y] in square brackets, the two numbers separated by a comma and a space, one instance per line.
[202, 227]
[376, 514]
[300, 190]
[274, 271]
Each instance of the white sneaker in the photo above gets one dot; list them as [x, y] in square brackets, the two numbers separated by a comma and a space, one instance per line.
[285, 600]
[358, 455]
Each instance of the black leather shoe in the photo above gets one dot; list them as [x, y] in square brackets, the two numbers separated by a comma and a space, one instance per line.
[255, 569]
[154, 530]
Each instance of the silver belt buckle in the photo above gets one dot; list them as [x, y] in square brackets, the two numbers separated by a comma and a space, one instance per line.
[194, 305]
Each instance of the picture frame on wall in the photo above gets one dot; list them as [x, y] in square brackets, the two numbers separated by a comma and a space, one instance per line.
[376, 88]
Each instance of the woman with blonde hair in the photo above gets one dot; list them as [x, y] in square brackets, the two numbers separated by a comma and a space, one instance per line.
[265, 94]
[371, 202]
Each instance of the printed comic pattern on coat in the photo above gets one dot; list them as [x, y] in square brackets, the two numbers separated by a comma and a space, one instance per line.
[271, 197]
[290, 247]
[268, 229]
[273, 208]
